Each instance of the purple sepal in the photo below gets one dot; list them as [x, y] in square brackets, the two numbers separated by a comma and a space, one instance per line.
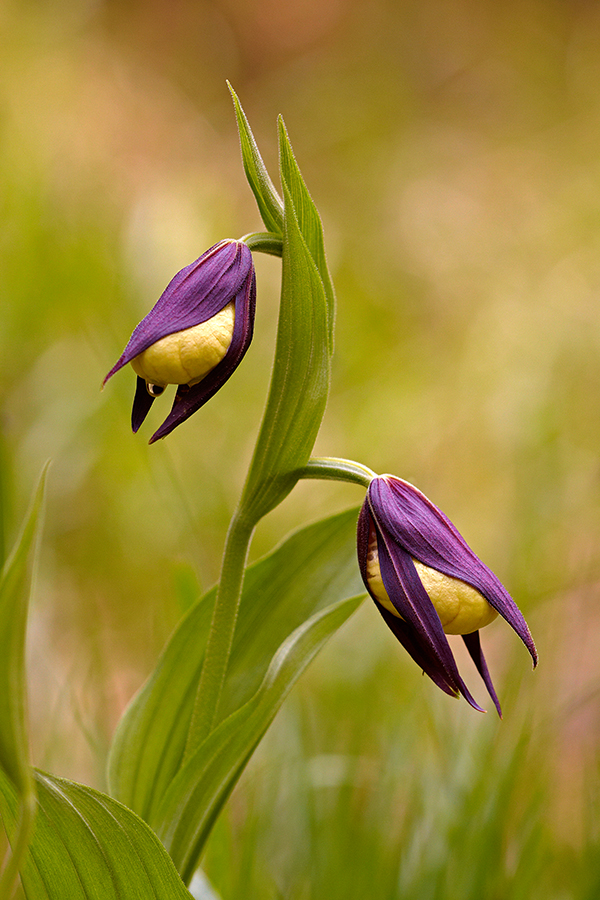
[223, 274]
[142, 402]
[473, 644]
[408, 526]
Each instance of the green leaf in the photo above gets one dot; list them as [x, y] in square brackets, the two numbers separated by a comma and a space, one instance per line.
[3, 501]
[309, 220]
[15, 588]
[300, 379]
[311, 569]
[269, 202]
[202, 786]
[87, 846]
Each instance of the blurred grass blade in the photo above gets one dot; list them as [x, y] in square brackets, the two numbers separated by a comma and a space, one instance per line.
[3, 502]
[300, 379]
[15, 588]
[86, 846]
[201, 888]
[308, 217]
[197, 794]
[311, 569]
[268, 200]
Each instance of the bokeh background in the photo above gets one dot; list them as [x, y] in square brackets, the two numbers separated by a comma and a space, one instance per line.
[452, 147]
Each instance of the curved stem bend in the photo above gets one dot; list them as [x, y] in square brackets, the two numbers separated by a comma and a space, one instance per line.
[328, 468]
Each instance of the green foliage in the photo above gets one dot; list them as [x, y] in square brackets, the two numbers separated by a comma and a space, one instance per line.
[300, 379]
[88, 846]
[309, 220]
[15, 588]
[313, 569]
[198, 792]
[269, 202]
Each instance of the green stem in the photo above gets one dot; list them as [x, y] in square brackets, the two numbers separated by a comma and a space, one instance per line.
[264, 242]
[220, 637]
[328, 468]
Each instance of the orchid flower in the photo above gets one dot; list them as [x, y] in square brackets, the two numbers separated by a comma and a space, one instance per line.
[195, 335]
[427, 582]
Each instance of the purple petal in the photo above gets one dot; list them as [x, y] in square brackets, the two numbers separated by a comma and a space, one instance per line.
[408, 518]
[194, 295]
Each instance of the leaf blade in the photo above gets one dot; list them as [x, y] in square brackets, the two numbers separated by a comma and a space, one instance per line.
[87, 846]
[15, 588]
[204, 783]
[268, 200]
[300, 379]
[312, 568]
[309, 220]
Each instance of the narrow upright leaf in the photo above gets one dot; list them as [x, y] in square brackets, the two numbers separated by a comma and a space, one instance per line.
[300, 379]
[309, 220]
[15, 587]
[269, 202]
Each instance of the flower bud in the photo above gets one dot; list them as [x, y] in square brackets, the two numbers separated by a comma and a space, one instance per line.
[195, 336]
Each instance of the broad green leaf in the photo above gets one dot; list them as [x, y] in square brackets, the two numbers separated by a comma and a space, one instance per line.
[309, 220]
[87, 846]
[269, 202]
[300, 379]
[15, 587]
[311, 569]
[198, 792]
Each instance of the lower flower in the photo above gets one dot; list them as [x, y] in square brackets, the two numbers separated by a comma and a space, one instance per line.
[427, 582]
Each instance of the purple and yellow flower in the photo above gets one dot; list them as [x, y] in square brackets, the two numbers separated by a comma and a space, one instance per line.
[195, 335]
[427, 582]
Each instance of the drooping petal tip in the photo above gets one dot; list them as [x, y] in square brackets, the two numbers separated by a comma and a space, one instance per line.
[427, 582]
[195, 336]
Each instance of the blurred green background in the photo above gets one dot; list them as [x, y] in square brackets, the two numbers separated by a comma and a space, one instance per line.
[453, 149]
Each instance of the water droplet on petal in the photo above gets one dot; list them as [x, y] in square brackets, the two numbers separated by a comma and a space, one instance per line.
[155, 390]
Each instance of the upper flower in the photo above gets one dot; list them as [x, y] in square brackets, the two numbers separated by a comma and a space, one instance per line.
[427, 582]
[195, 335]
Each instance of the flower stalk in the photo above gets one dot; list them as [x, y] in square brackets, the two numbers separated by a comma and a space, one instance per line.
[329, 468]
[220, 636]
